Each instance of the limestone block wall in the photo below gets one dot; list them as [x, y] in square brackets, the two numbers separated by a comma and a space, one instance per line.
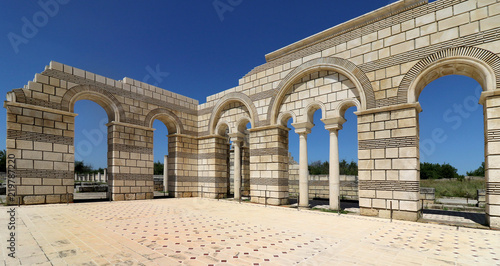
[213, 161]
[491, 103]
[326, 87]
[269, 166]
[130, 161]
[183, 165]
[42, 142]
[40, 131]
[389, 162]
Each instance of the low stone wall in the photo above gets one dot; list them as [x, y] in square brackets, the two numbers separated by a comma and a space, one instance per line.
[158, 182]
[319, 186]
[427, 195]
[96, 188]
[481, 198]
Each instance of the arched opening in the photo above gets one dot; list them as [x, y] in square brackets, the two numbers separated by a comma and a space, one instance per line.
[480, 65]
[160, 154]
[316, 97]
[224, 170]
[318, 159]
[348, 159]
[91, 150]
[239, 172]
[452, 146]
[228, 125]
[164, 123]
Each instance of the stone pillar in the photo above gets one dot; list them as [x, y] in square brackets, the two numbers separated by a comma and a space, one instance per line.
[491, 104]
[245, 171]
[76, 177]
[182, 165]
[237, 139]
[269, 165]
[389, 162]
[165, 173]
[99, 177]
[334, 125]
[105, 174]
[303, 129]
[88, 177]
[214, 162]
[130, 161]
[40, 141]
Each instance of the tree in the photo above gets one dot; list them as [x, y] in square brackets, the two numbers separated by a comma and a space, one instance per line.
[348, 168]
[3, 161]
[438, 171]
[158, 168]
[478, 172]
[82, 168]
[323, 168]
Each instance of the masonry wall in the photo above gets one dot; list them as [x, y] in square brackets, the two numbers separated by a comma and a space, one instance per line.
[42, 143]
[40, 131]
[389, 163]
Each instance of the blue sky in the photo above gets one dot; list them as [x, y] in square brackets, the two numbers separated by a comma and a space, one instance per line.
[202, 53]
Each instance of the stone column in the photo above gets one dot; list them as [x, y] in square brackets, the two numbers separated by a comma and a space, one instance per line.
[237, 139]
[165, 173]
[99, 177]
[105, 174]
[88, 177]
[334, 125]
[303, 129]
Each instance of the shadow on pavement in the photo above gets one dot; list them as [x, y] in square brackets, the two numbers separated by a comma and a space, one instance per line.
[318, 202]
[455, 216]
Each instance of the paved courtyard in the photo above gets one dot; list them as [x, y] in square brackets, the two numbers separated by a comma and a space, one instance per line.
[197, 231]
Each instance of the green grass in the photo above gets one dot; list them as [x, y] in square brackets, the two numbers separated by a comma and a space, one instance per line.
[454, 188]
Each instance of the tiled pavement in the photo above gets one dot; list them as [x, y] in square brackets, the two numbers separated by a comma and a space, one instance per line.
[203, 232]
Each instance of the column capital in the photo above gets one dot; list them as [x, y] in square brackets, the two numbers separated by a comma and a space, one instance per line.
[237, 137]
[303, 127]
[333, 123]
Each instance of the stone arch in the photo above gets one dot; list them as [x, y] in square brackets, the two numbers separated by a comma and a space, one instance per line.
[344, 105]
[342, 66]
[477, 63]
[221, 127]
[230, 98]
[241, 125]
[171, 121]
[106, 100]
[284, 116]
[311, 108]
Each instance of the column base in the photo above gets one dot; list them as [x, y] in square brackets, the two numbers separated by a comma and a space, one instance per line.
[493, 222]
